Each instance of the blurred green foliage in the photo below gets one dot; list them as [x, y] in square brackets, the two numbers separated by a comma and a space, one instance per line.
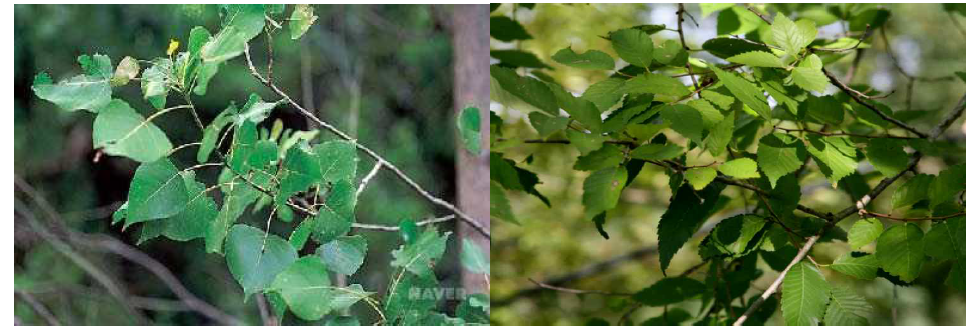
[559, 240]
[379, 73]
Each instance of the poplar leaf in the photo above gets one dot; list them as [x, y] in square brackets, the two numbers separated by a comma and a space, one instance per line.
[302, 18]
[118, 130]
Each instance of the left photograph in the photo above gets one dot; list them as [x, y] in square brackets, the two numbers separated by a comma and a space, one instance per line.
[251, 165]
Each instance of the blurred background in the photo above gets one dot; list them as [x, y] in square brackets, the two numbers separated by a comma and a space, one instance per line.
[382, 74]
[557, 244]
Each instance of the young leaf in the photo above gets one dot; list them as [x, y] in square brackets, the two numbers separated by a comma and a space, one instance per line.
[741, 168]
[127, 70]
[344, 255]
[757, 59]
[805, 295]
[592, 59]
[255, 257]
[302, 18]
[473, 258]
[700, 177]
[846, 308]
[469, 129]
[602, 189]
[668, 291]
[78, 92]
[656, 84]
[900, 251]
[156, 83]
[120, 131]
[633, 46]
[779, 154]
[834, 155]
[417, 257]
[745, 92]
[912, 191]
[808, 74]
[864, 232]
[787, 35]
[306, 288]
[157, 191]
[685, 214]
[861, 267]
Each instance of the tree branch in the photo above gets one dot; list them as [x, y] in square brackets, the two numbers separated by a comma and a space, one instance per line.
[406, 179]
[858, 96]
[776, 283]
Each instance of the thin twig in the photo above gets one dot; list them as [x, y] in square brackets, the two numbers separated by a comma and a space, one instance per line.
[911, 219]
[39, 308]
[681, 37]
[842, 133]
[369, 176]
[575, 291]
[776, 283]
[858, 98]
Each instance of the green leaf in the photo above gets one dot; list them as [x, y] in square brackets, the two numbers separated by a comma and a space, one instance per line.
[727, 47]
[528, 89]
[212, 132]
[846, 308]
[700, 177]
[602, 189]
[834, 155]
[671, 53]
[506, 173]
[580, 109]
[824, 109]
[684, 216]
[474, 308]
[779, 154]
[256, 257]
[157, 191]
[787, 35]
[299, 171]
[657, 152]
[120, 131]
[127, 70]
[265, 152]
[668, 291]
[585, 142]
[237, 197]
[757, 59]
[861, 267]
[592, 59]
[255, 110]
[805, 295]
[900, 251]
[741, 168]
[744, 91]
[656, 84]
[546, 125]
[226, 45]
[97, 66]
[720, 135]
[500, 208]
[887, 155]
[410, 300]
[156, 82]
[506, 29]
[606, 93]
[336, 217]
[734, 237]
[518, 59]
[708, 8]
[418, 256]
[78, 92]
[633, 46]
[912, 191]
[300, 235]
[607, 156]
[192, 221]
[737, 20]
[245, 138]
[685, 120]
[302, 18]
[337, 159]
[344, 255]
[249, 19]
[947, 240]
[771, 81]
[864, 232]
[808, 75]
[473, 258]
[710, 115]
[306, 288]
[946, 186]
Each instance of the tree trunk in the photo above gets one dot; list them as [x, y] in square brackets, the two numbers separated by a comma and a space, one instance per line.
[471, 68]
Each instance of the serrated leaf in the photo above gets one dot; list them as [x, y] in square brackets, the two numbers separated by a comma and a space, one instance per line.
[417, 256]
[509, 176]
[580, 109]
[591, 59]
[757, 59]
[670, 52]
[861, 267]
[306, 288]
[834, 155]
[302, 18]
[846, 309]
[700, 177]
[547, 125]
[824, 109]
[887, 155]
[527, 89]
[78, 92]
[256, 257]
[607, 156]
[518, 59]
[912, 191]
[506, 29]
[118, 130]
[947, 240]
[344, 255]
[606, 93]
[805, 295]
[720, 135]
[500, 208]
[741, 168]
[473, 258]
[657, 152]
[733, 237]
[656, 84]
[946, 186]
[685, 120]
[900, 251]
[336, 216]
[727, 47]
[809, 79]
[585, 142]
[157, 191]
[864, 232]
[719, 99]
[668, 291]
[787, 35]
[744, 91]
[602, 189]
[238, 195]
[685, 214]
[633, 46]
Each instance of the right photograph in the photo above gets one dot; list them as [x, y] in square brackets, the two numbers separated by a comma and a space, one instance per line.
[728, 164]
